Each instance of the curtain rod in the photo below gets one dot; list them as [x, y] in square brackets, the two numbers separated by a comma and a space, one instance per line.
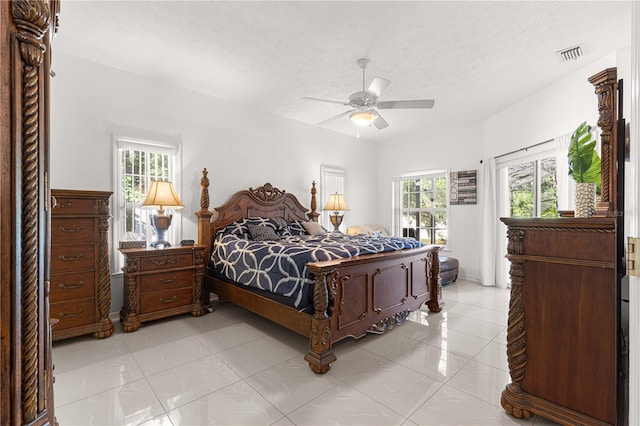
[522, 149]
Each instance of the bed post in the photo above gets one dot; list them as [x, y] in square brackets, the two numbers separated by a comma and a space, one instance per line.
[313, 214]
[204, 215]
[320, 354]
[433, 281]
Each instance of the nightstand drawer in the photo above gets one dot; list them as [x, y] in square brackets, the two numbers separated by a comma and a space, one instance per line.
[166, 281]
[77, 285]
[73, 206]
[161, 300]
[74, 313]
[72, 230]
[152, 263]
[73, 258]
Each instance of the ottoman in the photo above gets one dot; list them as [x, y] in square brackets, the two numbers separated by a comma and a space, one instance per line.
[448, 269]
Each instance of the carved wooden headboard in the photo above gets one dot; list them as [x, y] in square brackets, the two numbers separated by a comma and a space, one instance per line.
[264, 201]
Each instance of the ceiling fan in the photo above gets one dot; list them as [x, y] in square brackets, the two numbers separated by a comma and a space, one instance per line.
[363, 104]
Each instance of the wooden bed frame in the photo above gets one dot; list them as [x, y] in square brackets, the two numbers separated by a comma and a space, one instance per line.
[351, 296]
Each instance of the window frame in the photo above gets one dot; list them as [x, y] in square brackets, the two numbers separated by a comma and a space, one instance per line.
[332, 180]
[174, 150]
[398, 210]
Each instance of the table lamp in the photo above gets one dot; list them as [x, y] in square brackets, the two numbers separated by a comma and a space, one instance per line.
[336, 204]
[161, 195]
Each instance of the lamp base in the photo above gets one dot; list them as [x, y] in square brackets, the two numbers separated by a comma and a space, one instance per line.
[336, 221]
[160, 224]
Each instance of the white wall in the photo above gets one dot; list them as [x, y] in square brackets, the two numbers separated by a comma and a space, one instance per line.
[91, 102]
[454, 149]
[553, 111]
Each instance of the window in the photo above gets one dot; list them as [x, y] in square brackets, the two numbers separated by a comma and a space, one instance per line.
[527, 187]
[333, 181]
[533, 188]
[137, 163]
[423, 207]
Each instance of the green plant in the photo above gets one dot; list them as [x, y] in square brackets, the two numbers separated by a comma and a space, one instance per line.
[584, 161]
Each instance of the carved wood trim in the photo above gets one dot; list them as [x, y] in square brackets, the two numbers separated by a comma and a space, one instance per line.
[606, 88]
[31, 19]
[104, 276]
[436, 303]
[516, 334]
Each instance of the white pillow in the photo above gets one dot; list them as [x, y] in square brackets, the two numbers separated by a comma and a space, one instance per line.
[313, 228]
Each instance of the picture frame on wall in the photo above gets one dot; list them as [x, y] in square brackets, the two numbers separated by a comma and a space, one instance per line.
[463, 187]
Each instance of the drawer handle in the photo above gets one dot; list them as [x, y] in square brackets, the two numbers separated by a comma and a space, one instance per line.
[173, 299]
[166, 261]
[63, 229]
[168, 281]
[70, 258]
[63, 315]
[62, 205]
[70, 286]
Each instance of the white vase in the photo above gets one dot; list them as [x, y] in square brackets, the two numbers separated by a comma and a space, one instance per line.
[585, 199]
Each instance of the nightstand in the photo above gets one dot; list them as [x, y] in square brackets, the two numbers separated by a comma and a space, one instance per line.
[159, 283]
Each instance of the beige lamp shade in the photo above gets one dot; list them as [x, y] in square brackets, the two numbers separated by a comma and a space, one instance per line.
[336, 203]
[162, 195]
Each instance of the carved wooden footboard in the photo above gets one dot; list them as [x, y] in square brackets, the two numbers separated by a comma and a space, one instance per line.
[351, 296]
[369, 293]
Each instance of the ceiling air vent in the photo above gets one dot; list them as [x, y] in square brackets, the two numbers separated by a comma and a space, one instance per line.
[570, 53]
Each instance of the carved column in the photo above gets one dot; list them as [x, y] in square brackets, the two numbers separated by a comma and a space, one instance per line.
[25, 336]
[320, 355]
[516, 334]
[435, 304]
[606, 88]
[197, 291]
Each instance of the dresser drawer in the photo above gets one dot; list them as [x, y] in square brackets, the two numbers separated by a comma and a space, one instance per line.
[72, 230]
[73, 206]
[77, 257]
[166, 281]
[166, 261]
[73, 313]
[167, 299]
[76, 285]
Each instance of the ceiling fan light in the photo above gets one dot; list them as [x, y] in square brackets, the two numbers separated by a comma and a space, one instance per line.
[363, 118]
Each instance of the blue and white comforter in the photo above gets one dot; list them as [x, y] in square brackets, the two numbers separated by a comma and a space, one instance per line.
[280, 266]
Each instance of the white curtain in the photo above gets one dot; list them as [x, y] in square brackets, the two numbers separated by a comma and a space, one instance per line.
[565, 190]
[488, 223]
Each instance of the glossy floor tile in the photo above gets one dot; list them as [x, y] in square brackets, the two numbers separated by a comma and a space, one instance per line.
[231, 367]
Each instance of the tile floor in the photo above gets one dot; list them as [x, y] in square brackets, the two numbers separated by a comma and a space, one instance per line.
[231, 367]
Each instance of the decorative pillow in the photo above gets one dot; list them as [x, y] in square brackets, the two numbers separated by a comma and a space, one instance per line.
[313, 228]
[376, 234]
[262, 233]
[283, 227]
[296, 228]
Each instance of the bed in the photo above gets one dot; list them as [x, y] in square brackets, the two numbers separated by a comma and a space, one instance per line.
[348, 297]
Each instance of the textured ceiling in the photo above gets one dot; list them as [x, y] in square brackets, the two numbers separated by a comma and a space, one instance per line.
[474, 58]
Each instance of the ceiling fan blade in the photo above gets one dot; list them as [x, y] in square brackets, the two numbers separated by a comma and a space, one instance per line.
[421, 103]
[377, 86]
[331, 101]
[335, 117]
[380, 122]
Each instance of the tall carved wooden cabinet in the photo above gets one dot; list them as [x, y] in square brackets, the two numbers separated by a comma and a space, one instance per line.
[563, 337]
[80, 294]
[26, 30]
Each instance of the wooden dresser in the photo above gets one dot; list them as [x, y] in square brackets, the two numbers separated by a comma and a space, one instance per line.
[563, 342]
[80, 277]
[161, 282]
